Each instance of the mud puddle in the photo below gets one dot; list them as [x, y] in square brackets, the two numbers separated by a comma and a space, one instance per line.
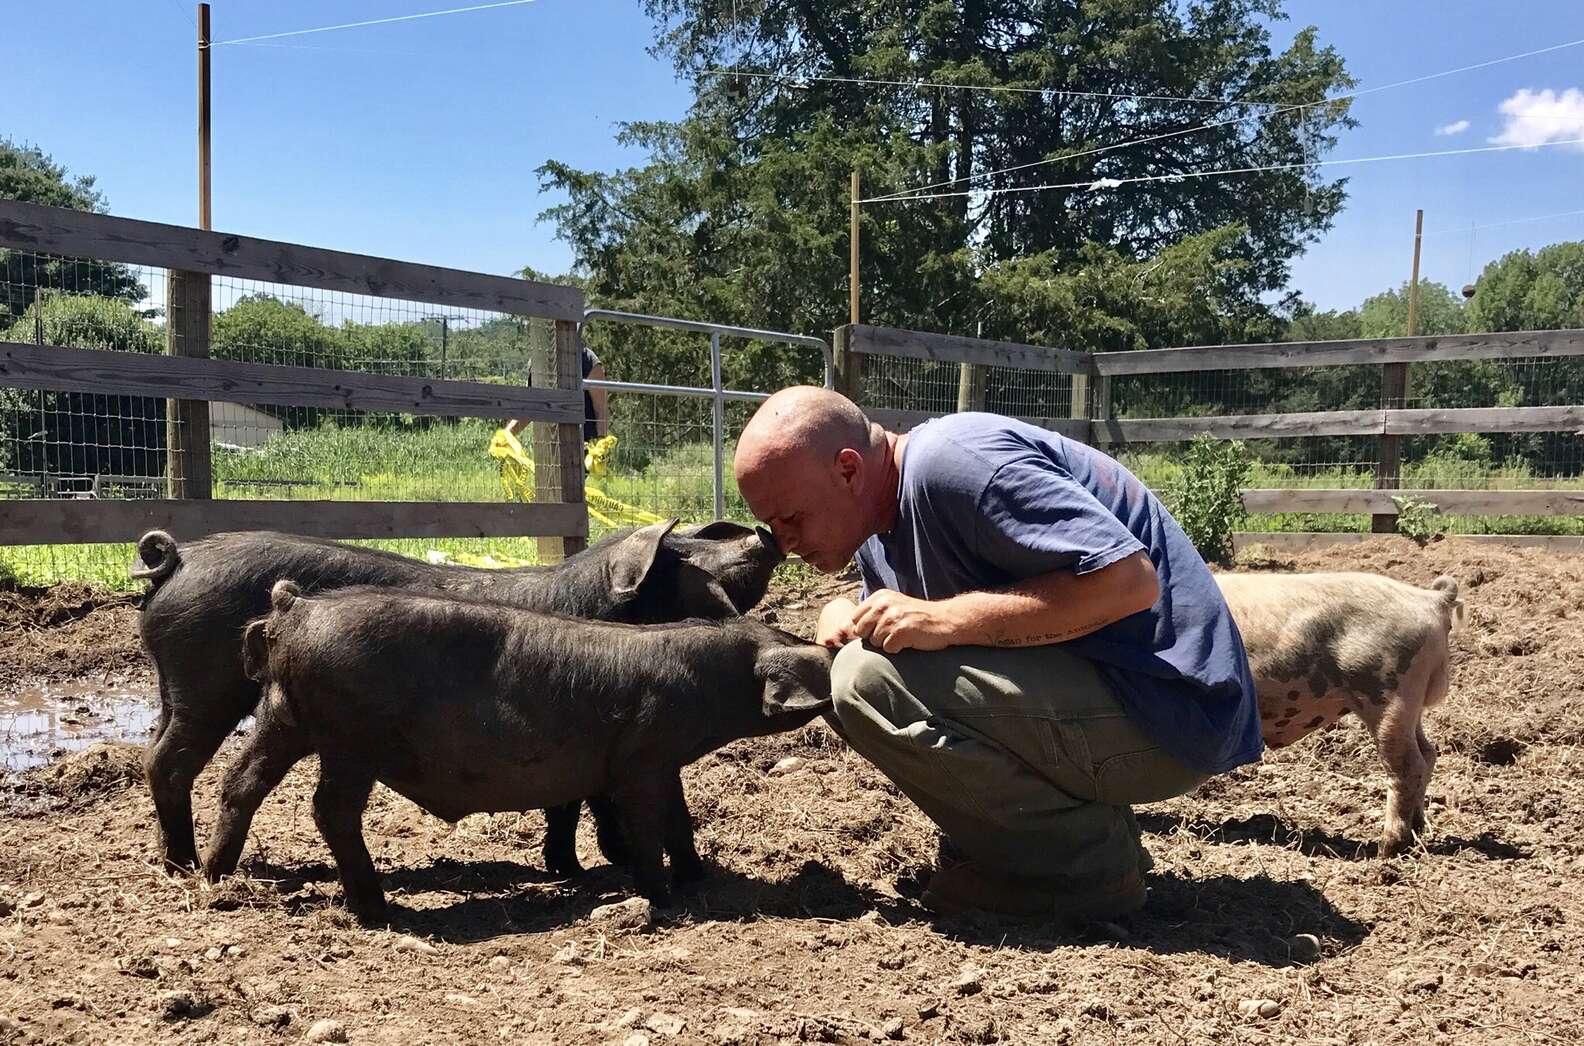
[44, 723]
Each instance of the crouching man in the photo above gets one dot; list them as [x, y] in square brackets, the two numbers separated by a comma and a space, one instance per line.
[1041, 645]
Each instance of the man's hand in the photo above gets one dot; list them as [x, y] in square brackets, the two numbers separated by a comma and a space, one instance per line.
[835, 623]
[892, 621]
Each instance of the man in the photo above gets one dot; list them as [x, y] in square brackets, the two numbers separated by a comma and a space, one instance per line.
[596, 402]
[1041, 646]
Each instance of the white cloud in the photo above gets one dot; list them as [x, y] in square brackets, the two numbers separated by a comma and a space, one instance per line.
[1537, 117]
[1455, 127]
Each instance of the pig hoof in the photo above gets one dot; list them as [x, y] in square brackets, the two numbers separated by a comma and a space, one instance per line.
[565, 865]
[688, 869]
[1395, 845]
[370, 915]
[614, 848]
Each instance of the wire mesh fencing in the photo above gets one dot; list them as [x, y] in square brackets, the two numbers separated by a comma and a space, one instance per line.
[86, 445]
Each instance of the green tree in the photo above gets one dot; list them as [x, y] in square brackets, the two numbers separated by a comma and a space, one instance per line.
[82, 433]
[1385, 315]
[1536, 290]
[29, 175]
[1525, 291]
[741, 210]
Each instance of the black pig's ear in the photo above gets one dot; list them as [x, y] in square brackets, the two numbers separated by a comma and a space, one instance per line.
[796, 679]
[635, 557]
[255, 652]
[722, 530]
[699, 594]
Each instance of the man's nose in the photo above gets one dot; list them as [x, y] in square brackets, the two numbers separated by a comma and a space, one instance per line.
[785, 539]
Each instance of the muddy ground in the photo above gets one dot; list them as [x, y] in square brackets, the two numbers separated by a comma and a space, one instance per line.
[807, 930]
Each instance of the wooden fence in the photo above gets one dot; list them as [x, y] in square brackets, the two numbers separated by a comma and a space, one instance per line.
[191, 380]
[1091, 417]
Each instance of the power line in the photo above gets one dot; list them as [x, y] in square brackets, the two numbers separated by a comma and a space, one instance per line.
[1223, 123]
[373, 21]
[336, 50]
[184, 13]
[1002, 88]
[1113, 183]
[1497, 225]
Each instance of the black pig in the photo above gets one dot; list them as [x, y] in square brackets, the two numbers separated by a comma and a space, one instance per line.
[203, 594]
[465, 706]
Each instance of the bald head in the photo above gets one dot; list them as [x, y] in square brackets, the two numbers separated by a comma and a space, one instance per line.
[800, 422]
[817, 472]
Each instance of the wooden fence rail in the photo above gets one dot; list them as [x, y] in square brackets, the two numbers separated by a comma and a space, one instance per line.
[48, 367]
[79, 234]
[189, 379]
[1092, 420]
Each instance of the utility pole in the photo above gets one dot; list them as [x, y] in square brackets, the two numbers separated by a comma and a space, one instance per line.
[1394, 396]
[205, 218]
[852, 240]
[188, 469]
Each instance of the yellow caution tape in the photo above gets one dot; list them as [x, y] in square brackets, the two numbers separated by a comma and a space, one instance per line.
[517, 477]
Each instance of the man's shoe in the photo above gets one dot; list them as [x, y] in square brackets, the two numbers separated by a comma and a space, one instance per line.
[970, 886]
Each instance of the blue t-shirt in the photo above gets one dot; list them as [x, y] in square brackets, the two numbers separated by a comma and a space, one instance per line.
[985, 501]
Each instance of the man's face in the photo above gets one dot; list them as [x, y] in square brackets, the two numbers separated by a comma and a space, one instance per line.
[813, 508]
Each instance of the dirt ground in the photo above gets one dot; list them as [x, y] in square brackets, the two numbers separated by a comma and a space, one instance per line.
[1266, 887]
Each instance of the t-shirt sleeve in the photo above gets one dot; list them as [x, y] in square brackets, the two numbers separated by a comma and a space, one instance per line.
[1034, 518]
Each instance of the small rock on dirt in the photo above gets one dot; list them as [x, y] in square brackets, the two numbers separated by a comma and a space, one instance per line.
[637, 1038]
[213, 954]
[790, 765]
[235, 951]
[326, 1030]
[180, 1006]
[1262, 1008]
[458, 999]
[969, 981]
[664, 1024]
[500, 962]
[892, 1029]
[635, 913]
[272, 1016]
[416, 945]
[567, 954]
[1306, 947]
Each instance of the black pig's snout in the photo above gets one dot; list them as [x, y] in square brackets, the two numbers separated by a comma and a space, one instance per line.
[768, 540]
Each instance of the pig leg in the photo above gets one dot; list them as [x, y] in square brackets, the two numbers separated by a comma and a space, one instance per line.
[171, 765]
[643, 804]
[560, 841]
[686, 867]
[607, 829]
[1408, 772]
[339, 800]
[274, 748]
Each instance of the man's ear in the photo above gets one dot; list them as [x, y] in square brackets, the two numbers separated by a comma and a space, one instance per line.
[796, 679]
[635, 556]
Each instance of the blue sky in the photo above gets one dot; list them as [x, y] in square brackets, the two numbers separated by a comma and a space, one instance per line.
[418, 140]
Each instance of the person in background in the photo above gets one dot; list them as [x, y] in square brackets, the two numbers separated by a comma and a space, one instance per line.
[596, 402]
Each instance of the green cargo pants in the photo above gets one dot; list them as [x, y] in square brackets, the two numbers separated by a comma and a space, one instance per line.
[1023, 757]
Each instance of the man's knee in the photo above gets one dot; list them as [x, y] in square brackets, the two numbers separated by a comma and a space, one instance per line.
[860, 679]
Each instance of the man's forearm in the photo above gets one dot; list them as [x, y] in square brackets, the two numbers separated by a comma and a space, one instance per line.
[1057, 607]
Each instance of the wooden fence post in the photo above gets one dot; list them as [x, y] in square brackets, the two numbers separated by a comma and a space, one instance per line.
[971, 386]
[1091, 399]
[1394, 394]
[849, 365]
[187, 466]
[558, 448]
